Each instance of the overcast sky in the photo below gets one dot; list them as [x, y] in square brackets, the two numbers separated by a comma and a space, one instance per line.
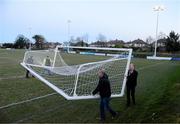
[122, 19]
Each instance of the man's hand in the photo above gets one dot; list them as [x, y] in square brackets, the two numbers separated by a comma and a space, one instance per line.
[93, 93]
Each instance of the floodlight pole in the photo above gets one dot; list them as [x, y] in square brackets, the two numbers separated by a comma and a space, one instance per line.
[30, 38]
[69, 21]
[157, 25]
[157, 9]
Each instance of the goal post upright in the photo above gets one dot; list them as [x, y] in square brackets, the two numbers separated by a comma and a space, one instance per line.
[91, 63]
[126, 72]
[55, 56]
[76, 81]
[25, 56]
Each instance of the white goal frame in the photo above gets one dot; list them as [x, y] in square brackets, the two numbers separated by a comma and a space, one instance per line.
[76, 97]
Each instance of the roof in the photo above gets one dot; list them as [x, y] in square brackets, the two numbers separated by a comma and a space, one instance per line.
[161, 40]
[109, 42]
[138, 41]
[116, 41]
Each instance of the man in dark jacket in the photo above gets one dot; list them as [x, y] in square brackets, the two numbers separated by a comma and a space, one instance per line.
[131, 84]
[29, 61]
[104, 90]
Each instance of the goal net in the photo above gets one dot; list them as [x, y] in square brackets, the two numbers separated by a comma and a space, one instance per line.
[72, 71]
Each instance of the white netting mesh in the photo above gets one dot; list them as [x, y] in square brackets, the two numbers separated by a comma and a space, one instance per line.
[76, 74]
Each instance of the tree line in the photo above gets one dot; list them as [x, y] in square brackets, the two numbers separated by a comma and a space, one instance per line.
[22, 42]
[172, 41]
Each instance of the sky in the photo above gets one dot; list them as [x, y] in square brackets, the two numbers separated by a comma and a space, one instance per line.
[116, 19]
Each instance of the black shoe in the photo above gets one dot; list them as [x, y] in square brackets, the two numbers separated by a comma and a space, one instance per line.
[102, 121]
[116, 115]
[127, 105]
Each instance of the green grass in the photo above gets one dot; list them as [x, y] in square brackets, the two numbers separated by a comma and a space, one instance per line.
[157, 95]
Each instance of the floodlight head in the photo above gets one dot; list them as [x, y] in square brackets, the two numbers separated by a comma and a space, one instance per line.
[162, 7]
[69, 21]
[159, 8]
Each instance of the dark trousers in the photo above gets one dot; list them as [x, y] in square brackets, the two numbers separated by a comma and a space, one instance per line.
[27, 74]
[104, 104]
[130, 91]
[47, 71]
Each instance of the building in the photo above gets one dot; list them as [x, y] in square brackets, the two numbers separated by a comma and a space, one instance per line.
[161, 45]
[161, 42]
[111, 43]
[98, 44]
[115, 43]
[136, 43]
[50, 45]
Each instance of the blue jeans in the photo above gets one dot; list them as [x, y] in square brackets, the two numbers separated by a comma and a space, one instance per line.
[46, 71]
[104, 104]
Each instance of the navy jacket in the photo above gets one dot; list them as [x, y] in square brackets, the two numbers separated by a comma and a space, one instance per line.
[132, 79]
[103, 87]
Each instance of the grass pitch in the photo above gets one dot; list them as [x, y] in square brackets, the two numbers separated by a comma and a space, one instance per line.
[157, 95]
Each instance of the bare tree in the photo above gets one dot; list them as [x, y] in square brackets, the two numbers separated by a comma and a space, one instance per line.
[72, 39]
[101, 37]
[162, 35]
[149, 40]
[85, 37]
[78, 39]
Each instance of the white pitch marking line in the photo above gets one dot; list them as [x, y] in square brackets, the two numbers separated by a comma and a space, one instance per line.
[12, 77]
[25, 101]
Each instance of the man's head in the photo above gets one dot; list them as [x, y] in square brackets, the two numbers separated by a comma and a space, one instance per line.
[101, 73]
[131, 67]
